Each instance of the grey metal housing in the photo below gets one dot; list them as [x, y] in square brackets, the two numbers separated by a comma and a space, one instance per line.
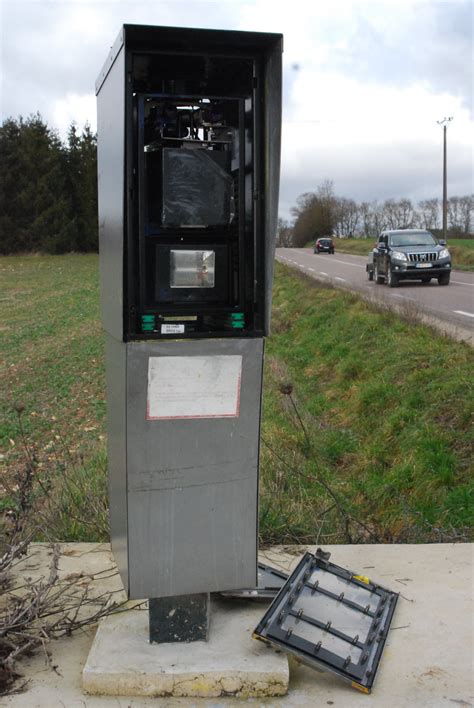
[116, 153]
[183, 493]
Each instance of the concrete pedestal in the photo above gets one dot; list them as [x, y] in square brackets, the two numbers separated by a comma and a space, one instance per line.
[122, 662]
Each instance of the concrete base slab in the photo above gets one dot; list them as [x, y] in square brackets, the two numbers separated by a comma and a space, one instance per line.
[122, 662]
[427, 661]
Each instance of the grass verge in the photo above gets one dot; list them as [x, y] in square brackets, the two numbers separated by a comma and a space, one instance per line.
[366, 424]
[52, 386]
[386, 411]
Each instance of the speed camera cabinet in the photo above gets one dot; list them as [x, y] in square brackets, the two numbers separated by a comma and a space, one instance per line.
[189, 128]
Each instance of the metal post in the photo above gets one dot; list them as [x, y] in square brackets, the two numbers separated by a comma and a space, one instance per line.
[179, 619]
[445, 188]
[444, 123]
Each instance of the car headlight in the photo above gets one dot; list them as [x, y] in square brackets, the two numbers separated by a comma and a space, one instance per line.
[399, 256]
[444, 253]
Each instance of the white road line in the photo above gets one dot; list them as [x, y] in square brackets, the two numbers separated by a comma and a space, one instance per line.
[321, 272]
[312, 270]
[461, 312]
[404, 297]
[342, 279]
[336, 260]
[462, 282]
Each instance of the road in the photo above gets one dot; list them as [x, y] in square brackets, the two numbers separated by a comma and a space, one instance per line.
[450, 308]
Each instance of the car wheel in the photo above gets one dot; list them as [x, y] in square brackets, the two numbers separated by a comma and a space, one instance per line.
[391, 279]
[444, 279]
[378, 278]
[370, 273]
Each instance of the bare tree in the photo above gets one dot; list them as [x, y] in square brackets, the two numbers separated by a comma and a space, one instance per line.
[315, 214]
[466, 209]
[390, 213]
[284, 237]
[429, 212]
[379, 218]
[454, 213]
[405, 214]
[325, 212]
[321, 213]
[347, 217]
[399, 214]
[365, 218]
[303, 215]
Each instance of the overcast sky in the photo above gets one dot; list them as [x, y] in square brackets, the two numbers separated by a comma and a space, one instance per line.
[364, 82]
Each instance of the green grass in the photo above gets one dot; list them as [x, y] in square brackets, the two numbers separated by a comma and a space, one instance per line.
[53, 369]
[386, 407]
[462, 252]
[52, 349]
[466, 243]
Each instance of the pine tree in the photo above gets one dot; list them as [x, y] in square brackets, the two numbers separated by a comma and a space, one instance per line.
[31, 185]
[88, 153]
[48, 190]
[10, 173]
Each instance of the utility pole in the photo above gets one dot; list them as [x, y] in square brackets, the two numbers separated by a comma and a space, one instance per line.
[445, 123]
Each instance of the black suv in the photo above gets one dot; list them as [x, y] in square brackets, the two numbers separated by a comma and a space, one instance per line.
[409, 254]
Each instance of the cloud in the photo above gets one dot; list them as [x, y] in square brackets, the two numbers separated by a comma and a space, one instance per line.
[364, 82]
[50, 49]
[373, 142]
[428, 42]
[80, 108]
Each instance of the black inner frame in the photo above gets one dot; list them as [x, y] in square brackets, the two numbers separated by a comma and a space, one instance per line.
[363, 672]
[157, 79]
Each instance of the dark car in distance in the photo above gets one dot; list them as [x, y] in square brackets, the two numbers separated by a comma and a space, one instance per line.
[409, 254]
[324, 244]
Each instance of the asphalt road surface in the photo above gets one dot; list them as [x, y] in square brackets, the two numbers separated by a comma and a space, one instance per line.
[450, 308]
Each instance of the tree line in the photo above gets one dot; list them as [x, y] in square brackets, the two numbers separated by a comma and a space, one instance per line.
[48, 188]
[323, 213]
[48, 198]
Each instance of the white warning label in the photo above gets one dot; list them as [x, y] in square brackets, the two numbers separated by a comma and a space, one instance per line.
[193, 387]
[172, 329]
